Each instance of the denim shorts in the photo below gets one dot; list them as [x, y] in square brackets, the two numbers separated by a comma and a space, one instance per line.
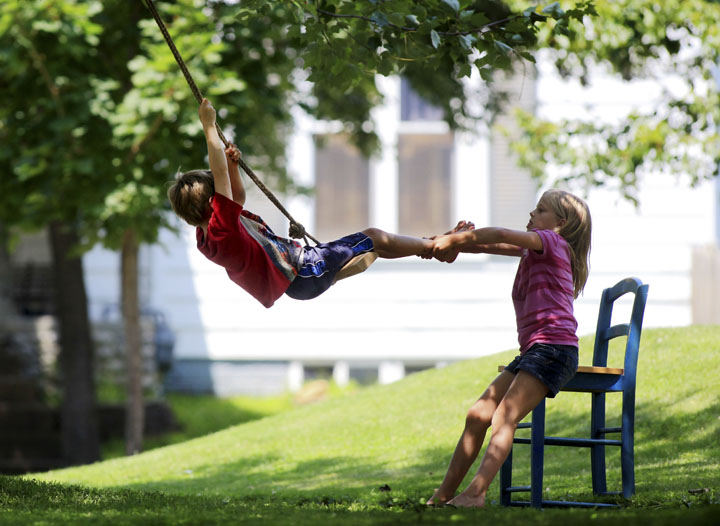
[554, 365]
[319, 264]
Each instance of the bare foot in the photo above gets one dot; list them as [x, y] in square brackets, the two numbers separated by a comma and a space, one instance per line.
[467, 501]
[437, 500]
[462, 226]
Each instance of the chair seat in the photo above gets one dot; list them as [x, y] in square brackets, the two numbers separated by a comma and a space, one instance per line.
[590, 379]
[595, 382]
[586, 369]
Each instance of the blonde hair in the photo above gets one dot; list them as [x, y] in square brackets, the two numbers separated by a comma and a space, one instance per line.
[190, 194]
[576, 230]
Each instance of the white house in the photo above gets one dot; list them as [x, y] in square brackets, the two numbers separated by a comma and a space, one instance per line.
[405, 315]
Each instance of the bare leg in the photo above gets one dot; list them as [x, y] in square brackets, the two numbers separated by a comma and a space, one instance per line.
[524, 394]
[391, 246]
[478, 420]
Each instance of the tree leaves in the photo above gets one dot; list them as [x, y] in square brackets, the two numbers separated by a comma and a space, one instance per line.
[676, 44]
[435, 38]
[96, 116]
[344, 44]
[553, 10]
[452, 4]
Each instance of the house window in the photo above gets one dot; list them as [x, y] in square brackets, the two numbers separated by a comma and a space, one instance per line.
[424, 183]
[341, 188]
[414, 108]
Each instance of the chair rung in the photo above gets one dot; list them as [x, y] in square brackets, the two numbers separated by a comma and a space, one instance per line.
[528, 425]
[621, 329]
[517, 489]
[610, 430]
[573, 442]
[566, 503]
[524, 425]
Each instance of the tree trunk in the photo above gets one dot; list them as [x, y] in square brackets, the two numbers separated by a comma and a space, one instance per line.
[81, 444]
[134, 407]
[7, 309]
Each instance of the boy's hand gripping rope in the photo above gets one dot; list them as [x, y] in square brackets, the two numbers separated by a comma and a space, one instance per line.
[296, 229]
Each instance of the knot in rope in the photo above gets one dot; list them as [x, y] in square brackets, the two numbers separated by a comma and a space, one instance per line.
[296, 230]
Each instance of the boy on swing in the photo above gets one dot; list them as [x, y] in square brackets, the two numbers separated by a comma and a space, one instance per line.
[262, 263]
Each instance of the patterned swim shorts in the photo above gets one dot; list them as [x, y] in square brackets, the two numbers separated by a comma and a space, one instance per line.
[319, 264]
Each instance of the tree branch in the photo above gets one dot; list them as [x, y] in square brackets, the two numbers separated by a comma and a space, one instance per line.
[482, 29]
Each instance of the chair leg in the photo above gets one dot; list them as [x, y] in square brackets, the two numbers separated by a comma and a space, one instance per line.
[506, 480]
[597, 452]
[627, 450]
[537, 454]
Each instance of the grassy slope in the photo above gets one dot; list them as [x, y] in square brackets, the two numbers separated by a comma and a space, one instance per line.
[202, 415]
[403, 434]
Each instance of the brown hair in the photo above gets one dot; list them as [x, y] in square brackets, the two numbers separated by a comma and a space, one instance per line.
[190, 195]
[577, 231]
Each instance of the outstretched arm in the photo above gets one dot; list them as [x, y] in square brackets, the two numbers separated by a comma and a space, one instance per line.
[501, 249]
[491, 240]
[216, 155]
[232, 155]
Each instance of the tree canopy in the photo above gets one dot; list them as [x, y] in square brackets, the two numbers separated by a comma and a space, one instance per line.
[676, 45]
[438, 43]
[99, 122]
[344, 44]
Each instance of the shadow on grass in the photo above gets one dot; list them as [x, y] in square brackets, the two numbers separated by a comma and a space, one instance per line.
[198, 416]
[31, 502]
[674, 453]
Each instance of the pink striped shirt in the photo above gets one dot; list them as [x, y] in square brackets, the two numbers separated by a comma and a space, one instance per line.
[543, 294]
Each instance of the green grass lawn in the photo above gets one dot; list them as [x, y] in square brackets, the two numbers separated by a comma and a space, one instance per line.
[201, 415]
[327, 461]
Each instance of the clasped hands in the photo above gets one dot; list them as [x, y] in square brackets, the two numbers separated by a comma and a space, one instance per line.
[443, 248]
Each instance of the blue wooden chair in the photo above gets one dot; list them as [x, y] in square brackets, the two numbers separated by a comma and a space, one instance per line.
[597, 380]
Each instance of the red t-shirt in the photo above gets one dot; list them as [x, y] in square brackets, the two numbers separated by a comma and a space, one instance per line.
[254, 257]
[543, 294]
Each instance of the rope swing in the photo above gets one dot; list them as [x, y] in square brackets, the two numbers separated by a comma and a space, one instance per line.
[296, 229]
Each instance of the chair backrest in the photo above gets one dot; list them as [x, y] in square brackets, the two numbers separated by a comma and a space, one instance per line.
[605, 332]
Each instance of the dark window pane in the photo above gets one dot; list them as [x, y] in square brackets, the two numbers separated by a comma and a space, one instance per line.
[424, 184]
[414, 108]
[341, 188]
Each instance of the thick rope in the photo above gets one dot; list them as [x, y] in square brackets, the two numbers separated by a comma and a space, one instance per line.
[296, 229]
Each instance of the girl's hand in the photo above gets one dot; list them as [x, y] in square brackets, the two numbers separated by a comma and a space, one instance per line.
[207, 114]
[233, 154]
[427, 253]
[444, 250]
[448, 257]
